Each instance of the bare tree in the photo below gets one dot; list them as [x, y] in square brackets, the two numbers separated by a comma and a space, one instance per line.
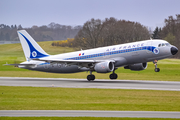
[90, 34]
[96, 33]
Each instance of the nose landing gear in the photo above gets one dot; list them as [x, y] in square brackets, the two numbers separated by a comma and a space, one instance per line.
[155, 64]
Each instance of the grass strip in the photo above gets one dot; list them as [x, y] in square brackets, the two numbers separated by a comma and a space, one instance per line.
[52, 98]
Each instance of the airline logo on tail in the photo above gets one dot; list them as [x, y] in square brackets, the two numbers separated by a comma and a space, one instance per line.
[34, 53]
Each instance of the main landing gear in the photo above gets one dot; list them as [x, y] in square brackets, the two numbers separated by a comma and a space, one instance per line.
[113, 75]
[91, 77]
[155, 64]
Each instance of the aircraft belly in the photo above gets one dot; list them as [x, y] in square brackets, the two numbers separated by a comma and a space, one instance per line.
[58, 69]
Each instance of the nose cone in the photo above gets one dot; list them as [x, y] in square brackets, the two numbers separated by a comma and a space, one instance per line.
[174, 50]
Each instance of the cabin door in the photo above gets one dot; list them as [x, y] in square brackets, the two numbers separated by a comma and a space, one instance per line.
[149, 47]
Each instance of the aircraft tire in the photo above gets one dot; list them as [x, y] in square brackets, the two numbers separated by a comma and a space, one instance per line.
[90, 77]
[93, 77]
[156, 69]
[113, 76]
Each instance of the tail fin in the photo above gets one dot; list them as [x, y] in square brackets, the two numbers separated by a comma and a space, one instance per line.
[30, 47]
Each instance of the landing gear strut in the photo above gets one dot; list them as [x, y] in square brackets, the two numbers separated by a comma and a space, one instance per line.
[156, 68]
[90, 77]
[113, 75]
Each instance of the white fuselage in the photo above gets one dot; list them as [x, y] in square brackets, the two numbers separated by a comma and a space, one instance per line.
[122, 54]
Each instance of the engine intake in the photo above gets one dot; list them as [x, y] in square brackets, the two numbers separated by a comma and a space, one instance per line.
[104, 67]
[137, 67]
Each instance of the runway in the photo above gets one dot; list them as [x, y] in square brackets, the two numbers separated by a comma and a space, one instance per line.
[87, 113]
[83, 83]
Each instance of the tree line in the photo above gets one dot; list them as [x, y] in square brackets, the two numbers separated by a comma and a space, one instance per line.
[53, 31]
[97, 33]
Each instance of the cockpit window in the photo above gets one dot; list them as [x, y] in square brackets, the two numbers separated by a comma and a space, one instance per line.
[163, 44]
[167, 44]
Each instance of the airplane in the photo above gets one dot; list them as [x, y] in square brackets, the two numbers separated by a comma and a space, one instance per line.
[133, 56]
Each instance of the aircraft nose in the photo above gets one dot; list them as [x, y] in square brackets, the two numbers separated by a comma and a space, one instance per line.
[174, 50]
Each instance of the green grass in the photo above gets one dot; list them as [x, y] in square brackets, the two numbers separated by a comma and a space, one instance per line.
[52, 98]
[81, 118]
[13, 53]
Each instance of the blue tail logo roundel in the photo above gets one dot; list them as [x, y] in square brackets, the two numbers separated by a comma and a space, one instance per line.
[34, 53]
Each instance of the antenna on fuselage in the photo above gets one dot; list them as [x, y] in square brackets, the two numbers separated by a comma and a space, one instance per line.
[151, 38]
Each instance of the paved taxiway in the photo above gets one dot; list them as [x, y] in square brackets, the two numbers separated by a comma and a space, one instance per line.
[83, 83]
[88, 113]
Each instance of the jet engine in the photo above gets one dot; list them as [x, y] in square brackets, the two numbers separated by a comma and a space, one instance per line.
[104, 67]
[137, 67]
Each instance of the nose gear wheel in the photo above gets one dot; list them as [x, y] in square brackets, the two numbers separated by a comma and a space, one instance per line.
[156, 68]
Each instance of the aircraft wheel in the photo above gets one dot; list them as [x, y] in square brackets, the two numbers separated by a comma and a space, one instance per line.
[113, 76]
[90, 77]
[93, 77]
[156, 69]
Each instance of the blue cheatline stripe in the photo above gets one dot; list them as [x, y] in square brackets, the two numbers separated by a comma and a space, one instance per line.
[149, 48]
[32, 49]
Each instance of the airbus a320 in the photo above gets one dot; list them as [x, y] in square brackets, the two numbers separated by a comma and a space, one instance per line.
[133, 56]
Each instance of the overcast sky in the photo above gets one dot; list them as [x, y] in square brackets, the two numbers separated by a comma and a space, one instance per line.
[150, 13]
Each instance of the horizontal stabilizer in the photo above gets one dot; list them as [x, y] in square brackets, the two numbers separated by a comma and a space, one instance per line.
[25, 65]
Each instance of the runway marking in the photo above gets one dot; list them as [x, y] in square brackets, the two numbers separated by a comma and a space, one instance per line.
[88, 113]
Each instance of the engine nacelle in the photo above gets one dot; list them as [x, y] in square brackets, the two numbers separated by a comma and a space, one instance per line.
[137, 67]
[104, 67]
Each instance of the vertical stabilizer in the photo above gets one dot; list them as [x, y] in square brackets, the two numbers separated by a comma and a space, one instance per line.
[30, 47]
